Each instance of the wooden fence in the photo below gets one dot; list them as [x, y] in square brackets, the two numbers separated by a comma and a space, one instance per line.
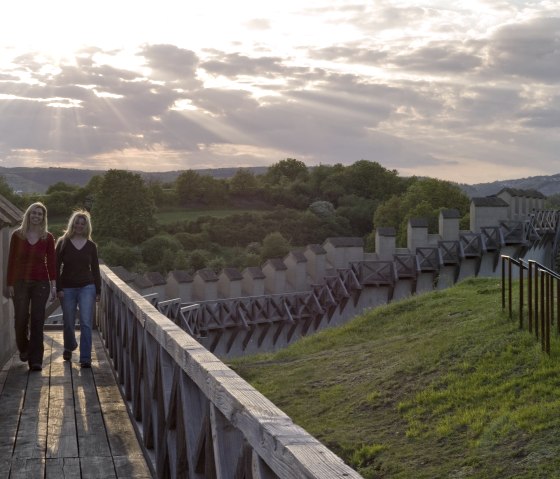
[195, 416]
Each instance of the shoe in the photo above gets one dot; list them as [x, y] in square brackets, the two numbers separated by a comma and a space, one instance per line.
[85, 365]
[23, 357]
[67, 355]
[36, 367]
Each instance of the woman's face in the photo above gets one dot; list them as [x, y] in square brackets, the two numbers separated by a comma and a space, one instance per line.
[36, 216]
[79, 225]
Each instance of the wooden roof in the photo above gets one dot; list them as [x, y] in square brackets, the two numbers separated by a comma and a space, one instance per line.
[10, 215]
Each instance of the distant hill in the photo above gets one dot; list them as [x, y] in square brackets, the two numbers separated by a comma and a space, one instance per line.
[547, 185]
[37, 180]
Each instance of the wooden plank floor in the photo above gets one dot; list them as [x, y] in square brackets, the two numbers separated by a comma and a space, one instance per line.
[66, 422]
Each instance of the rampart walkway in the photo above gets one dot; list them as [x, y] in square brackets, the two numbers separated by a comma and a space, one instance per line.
[66, 422]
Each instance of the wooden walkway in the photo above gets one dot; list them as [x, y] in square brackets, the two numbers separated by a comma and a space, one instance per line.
[66, 422]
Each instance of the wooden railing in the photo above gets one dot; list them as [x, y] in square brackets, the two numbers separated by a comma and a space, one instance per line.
[195, 416]
[540, 290]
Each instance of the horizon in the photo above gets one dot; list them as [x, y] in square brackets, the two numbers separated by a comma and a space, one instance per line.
[172, 172]
[465, 93]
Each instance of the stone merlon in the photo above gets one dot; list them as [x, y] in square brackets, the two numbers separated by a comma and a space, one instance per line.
[489, 201]
[450, 213]
[386, 231]
[181, 276]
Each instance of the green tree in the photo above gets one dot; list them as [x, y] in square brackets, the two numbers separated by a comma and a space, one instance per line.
[369, 179]
[359, 212]
[115, 254]
[325, 182]
[286, 171]
[198, 259]
[188, 187]
[424, 198]
[60, 202]
[244, 184]
[153, 248]
[123, 207]
[553, 202]
[7, 192]
[157, 193]
[323, 209]
[195, 189]
[61, 186]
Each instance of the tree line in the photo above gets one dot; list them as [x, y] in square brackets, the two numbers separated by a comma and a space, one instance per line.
[291, 206]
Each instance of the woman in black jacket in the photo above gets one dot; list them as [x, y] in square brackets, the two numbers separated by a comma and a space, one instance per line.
[78, 283]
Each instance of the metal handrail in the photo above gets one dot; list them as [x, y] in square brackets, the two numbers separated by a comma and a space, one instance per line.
[542, 296]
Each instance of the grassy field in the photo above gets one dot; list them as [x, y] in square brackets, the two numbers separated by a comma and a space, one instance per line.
[57, 224]
[443, 385]
[167, 217]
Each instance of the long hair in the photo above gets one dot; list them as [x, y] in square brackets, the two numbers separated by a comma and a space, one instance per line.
[69, 231]
[26, 223]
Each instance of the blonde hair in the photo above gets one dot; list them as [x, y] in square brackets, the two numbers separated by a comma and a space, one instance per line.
[26, 224]
[69, 231]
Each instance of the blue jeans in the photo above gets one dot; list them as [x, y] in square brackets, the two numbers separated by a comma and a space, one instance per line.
[30, 299]
[83, 297]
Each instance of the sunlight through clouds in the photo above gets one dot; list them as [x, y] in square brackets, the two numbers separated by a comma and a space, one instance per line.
[466, 91]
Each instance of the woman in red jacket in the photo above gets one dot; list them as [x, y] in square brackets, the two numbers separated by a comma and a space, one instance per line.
[31, 281]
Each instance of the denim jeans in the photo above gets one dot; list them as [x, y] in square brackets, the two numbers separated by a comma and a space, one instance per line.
[30, 299]
[83, 297]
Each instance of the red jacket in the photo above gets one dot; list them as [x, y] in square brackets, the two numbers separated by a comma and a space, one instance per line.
[31, 262]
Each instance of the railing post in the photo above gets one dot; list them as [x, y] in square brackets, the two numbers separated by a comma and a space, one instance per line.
[542, 306]
[551, 299]
[509, 290]
[520, 295]
[548, 312]
[530, 295]
[503, 282]
[536, 292]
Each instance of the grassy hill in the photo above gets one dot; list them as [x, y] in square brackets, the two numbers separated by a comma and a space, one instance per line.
[442, 385]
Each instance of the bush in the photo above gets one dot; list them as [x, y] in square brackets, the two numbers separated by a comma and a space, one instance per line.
[323, 209]
[198, 259]
[274, 246]
[154, 248]
[190, 241]
[115, 254]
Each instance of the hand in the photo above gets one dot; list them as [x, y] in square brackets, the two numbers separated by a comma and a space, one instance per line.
[53, 293]
[11, 291]
[97, 298]
[60, 295]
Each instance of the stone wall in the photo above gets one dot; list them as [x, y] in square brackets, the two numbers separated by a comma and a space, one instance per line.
[431, 261]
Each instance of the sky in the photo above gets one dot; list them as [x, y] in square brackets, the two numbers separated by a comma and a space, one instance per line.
[465, 91]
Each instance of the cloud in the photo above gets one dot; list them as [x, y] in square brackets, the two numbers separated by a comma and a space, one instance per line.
[529, 50]
[418, 88]
[233, 65]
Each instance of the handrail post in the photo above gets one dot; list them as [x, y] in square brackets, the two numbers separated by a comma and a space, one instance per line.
[548, 312]
[510, 291]
[551, 299]
[542, 311]
[520, 295]
[536, 275]
[503, 282]
[530, 295]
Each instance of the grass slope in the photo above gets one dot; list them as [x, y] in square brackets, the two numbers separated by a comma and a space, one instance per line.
[442, 385]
